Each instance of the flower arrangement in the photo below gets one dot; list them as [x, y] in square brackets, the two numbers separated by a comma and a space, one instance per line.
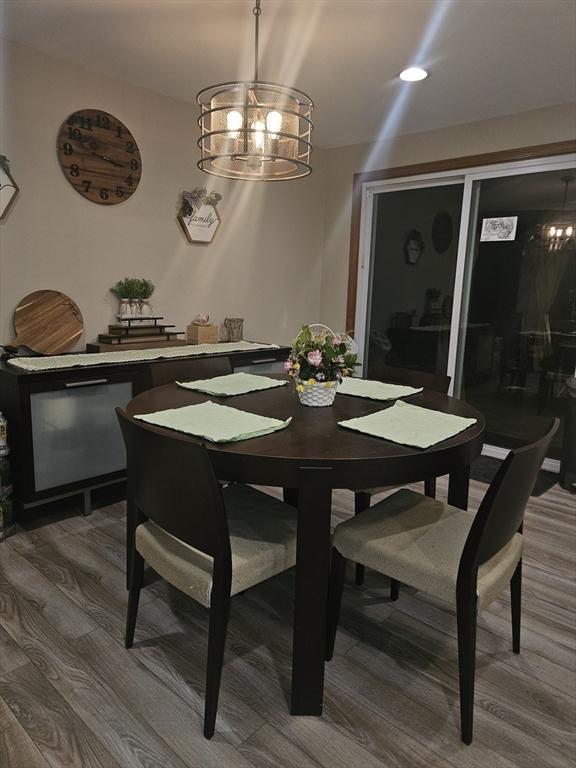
[319, 360]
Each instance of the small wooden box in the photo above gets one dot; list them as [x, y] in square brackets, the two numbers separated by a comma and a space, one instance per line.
[202, 334]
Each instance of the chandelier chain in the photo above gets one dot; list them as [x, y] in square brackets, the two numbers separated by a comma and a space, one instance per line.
[256, 11]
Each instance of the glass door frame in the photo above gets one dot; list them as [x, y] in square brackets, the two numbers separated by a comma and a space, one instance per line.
[468, 177]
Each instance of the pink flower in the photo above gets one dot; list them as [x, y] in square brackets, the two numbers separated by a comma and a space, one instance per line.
[288, 365]
[315, 358]
[337, 340]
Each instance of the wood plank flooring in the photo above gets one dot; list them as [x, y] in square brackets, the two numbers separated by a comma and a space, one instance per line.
[71, 696]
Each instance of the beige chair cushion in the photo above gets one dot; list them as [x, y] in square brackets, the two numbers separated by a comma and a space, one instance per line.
[262, 539]
[419, 541]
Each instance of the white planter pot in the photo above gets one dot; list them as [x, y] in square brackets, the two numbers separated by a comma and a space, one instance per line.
[319, 394]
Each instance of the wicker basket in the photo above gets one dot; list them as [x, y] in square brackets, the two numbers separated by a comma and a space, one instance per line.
[319, 394]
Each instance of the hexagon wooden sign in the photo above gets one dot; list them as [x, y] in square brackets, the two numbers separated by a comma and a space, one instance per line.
[8, 188]
[198, 216]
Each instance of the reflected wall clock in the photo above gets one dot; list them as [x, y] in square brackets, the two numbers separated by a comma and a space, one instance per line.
[99, 156]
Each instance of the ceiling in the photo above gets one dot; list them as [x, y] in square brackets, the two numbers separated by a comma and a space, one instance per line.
[486, 57]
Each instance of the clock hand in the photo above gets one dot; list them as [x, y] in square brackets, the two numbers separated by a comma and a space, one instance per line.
[107, 159]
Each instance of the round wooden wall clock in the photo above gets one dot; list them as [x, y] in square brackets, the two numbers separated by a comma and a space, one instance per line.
[99, 156]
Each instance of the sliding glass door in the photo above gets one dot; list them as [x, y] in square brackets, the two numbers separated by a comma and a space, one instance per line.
[415, 247]
[473, 274]
[518, 333]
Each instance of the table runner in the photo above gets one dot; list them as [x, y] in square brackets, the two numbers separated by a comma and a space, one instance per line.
[217, 423]
[410, 425]
[232, 384]
[53, 362]
[375, 390]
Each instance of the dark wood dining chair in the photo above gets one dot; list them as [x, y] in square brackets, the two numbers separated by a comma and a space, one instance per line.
[209, 542]
[411, 378]
[452, 554]
[169, 371]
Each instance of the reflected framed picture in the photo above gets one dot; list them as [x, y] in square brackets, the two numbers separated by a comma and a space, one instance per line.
[413, 247]
[499, 229]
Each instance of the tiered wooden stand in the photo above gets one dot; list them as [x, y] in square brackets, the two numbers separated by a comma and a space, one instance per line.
[137, 333]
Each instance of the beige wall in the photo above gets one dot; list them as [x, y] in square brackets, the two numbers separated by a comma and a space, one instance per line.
[280, 257]
[526, 129]
[264, 264]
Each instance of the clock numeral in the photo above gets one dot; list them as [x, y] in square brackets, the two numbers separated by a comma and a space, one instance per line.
[129, 181]
[119, 131]
[67, 149]
[74, 170]
[134, 165]
[86, 123]
[130, 147]
[74, 133]
[119, 191]
[102, 121]
[86, 184]
[104, 194]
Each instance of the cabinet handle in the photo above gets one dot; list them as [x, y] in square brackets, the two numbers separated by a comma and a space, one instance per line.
[265, 360]
[86, 383]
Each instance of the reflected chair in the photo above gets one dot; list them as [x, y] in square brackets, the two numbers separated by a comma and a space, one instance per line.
[169, 371]
[411, 378]
[209, 542]
[452, 554]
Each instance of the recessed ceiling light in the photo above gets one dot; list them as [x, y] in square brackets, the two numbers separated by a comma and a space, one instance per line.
[413, 74]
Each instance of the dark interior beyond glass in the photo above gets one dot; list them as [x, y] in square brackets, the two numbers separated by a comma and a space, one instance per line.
[520, 334]
[414, 262]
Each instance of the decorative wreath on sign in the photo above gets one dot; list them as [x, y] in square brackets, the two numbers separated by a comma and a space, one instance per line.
[191, 201]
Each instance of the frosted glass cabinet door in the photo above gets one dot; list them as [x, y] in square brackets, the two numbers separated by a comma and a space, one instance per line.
[75, 432]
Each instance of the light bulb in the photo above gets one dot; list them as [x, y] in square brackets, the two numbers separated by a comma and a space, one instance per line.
[274, 123]
[559, 232]
[569, 231]
[233, 123]
[552, 231]
[259, 127]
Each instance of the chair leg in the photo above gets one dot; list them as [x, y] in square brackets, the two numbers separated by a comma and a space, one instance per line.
[466, 617]
[131, 514]
[219, 611]
[394, 589]
[430, 487]
[337, 573]
[361, 503]
[136, 578]
[516, 602]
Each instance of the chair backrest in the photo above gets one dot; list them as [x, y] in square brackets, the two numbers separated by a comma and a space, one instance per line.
[413, 378]
[501, 512]
[169, 371]
[171, 482]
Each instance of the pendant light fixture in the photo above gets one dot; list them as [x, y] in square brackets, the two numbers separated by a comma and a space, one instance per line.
[563, 229]
[255, 130]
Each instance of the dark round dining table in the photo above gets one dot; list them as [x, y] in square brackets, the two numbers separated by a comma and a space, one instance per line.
[310, 458]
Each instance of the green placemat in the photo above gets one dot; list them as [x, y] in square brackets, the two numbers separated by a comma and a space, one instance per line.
[375, 390]
[410, 425]
[217, 423]
[232, 384]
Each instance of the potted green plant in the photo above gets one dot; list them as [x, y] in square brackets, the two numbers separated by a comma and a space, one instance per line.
[144, 289]
[318, 362]
[134, 294]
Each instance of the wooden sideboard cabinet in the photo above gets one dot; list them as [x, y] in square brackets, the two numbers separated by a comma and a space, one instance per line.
[62, 429]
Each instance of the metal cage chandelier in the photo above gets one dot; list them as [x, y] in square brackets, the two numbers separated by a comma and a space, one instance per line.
[254, 130]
